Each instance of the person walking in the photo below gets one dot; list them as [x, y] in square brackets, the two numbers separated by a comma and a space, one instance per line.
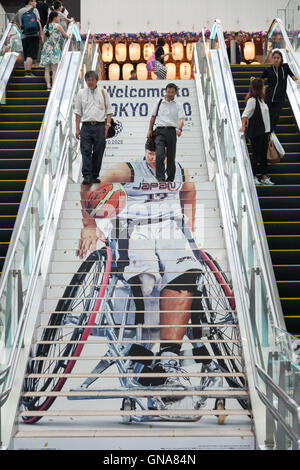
[277, 76]
[28, 20]
[168, 116]
[51, 52]
[256, 115]
[94, 110]
[239, 42]
[160, 69]
[63, 14]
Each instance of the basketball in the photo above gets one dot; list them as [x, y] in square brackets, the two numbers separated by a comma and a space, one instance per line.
[107, 201]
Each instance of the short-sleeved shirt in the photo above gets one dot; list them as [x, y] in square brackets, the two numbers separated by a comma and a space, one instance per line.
[90, 105]
[168, 114]
[277, 82]
[19, 18]
[43, 10]
[158, 53]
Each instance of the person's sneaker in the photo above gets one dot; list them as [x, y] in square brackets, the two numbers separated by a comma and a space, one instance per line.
[172, 366]
[31, 74]
[215, 382]
[266, 181]
[256, 181]
[27, 74]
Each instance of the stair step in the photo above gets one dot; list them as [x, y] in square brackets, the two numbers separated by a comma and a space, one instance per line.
[180, 412]
[282, 241]
[223, 393]
[281, 214]
[139, 432]
[287, 256]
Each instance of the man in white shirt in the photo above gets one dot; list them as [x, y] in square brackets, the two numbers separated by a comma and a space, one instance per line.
[93, 109]
[168, 115]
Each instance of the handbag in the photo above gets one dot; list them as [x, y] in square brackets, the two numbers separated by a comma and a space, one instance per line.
[272, 155]
[112, 130]
[160, 70]
[154, 131]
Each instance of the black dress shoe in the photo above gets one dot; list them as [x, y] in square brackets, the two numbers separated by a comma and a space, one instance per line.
[169, 180]
[96, 180]
[88, 180]
[161, 180]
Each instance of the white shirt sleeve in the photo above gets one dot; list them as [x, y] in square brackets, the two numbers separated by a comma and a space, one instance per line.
[180, 111]
[154, 110]
[250, 108]
[78, 103]
[109, 108]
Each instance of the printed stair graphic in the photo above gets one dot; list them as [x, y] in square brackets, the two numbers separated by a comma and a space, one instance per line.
[93, 379]
[280, 203]
[20, 121]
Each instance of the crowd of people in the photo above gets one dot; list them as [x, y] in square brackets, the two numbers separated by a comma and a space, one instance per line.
[44, 29]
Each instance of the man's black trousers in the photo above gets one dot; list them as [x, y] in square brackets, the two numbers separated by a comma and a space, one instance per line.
[92, 146]
[165, 142]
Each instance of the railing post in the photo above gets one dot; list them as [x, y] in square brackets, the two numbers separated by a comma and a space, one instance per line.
[296, 415]
[269, 442]
[281, 438]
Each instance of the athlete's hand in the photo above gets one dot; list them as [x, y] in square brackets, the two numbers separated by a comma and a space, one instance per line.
[88, 240]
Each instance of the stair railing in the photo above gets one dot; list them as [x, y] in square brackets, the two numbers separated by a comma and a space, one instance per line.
[277, 38]
[8, 56]
[26, 265]
[260, 317]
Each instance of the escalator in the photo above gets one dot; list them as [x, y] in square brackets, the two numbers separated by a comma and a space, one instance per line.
[20, 121]
[280, 203]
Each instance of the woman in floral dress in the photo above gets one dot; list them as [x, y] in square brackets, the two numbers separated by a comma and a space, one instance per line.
[51, 52]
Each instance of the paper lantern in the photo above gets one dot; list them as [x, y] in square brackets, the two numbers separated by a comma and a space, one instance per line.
[166, 51]
[148, 50]
[185, 71]
[189, 50]
[141, 71]
[171, 71]
[107, 52]
[249, 50]
[177, 51]
[114, 72]
[126, 69]
[120, 52]
[134, 51]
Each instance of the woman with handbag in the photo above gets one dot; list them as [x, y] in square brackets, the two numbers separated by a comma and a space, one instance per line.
[256, 118]
[160, 69]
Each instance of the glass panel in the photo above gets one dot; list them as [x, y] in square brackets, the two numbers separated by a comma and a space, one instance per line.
[19, 266]
[265, 312]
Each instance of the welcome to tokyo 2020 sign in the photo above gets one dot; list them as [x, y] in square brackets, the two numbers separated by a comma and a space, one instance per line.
[133, 103]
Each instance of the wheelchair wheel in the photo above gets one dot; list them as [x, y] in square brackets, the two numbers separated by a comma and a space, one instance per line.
[219, 309]
[84, 293]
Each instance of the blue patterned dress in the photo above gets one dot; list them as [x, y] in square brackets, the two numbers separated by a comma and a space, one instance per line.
[52, 48]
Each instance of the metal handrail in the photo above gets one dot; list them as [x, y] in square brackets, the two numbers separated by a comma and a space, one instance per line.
[249, 190]
[287, 42]
[25, 207]
[35, 164]
[232, 114]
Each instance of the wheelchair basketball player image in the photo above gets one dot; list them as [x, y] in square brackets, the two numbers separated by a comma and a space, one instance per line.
[153, 219]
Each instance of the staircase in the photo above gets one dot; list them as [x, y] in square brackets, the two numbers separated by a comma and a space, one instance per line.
[20, 120]
[280, 203]
[104, 414]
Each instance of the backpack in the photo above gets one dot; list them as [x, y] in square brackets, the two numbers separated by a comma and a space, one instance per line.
[151, 62]
[29, 23]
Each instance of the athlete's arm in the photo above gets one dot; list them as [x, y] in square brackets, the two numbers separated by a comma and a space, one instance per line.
[90, 233]
[188, 200]
[119, 173]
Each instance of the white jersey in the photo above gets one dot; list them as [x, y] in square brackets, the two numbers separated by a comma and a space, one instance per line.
[149, 199]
